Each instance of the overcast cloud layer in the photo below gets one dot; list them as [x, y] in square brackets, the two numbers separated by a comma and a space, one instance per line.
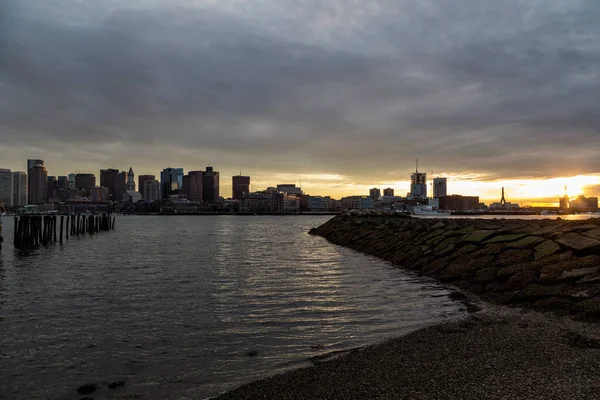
[504, 89]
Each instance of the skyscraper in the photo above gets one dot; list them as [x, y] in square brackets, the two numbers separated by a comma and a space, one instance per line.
[85, 182]
[151, 190]
[169, 182]
[388, 192]
[62, 187]
[210, 186]
[30, 164]
[51, 187]
[38, 179]
[375, 194]
[115, 181]
[142, 179]
[192, 186]
[6, 186]
[180, 176]
[440, 188]
[19, 188]
[72, 181]
[240, 185]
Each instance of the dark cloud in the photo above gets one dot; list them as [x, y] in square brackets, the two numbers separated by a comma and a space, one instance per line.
[499, 88]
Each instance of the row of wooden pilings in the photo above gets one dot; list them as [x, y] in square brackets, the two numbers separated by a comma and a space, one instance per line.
[31, 231]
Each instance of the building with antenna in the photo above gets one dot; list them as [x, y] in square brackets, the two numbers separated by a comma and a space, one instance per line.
[418, 183]
[239, 185]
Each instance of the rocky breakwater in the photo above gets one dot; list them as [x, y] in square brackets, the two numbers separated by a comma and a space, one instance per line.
[547, 265]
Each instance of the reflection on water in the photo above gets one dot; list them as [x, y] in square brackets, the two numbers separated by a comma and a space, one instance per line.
[569, 217]
[182, 307]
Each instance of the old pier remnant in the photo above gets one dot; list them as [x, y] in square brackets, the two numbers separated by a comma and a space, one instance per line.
[31, 231]
[548, 265]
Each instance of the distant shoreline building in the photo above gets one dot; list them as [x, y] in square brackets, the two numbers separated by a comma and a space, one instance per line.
[30, 187]
[375, 194]
[141, 181]
[440, 187]
[38, 180]
[6, 187]
[193, 185]
[85, 182]
[19, 188]
[388, 192]
[169, 181]
[151, 190]
[458, 203]
[210, 186]
[239, 185]
[418, 184]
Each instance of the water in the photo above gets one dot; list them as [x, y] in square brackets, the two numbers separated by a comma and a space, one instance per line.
[187, 307]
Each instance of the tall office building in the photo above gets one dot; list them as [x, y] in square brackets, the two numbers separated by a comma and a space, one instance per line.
[210, 186]
[375, 194]
[192, 185]
[19, 188]
[180, 176]
[62, 187]
[30, 164]
[85, 182]
[6, 186]
[440, 188]
[72, 181]
[38, 180]
[169, 182]
[142, 179]
[151, 190]
[51, 188]
[240, 185]
[388, 192]
[115, 181]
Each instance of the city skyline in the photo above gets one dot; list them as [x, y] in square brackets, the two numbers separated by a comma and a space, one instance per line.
[338, 186]
[343, 98]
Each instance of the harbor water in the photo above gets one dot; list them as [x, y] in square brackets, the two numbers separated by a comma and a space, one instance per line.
[187, 307]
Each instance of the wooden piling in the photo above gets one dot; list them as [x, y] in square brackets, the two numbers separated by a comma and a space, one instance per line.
[15, 230]
[62, 219]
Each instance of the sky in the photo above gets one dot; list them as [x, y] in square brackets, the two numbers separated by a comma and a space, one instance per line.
[338, 95]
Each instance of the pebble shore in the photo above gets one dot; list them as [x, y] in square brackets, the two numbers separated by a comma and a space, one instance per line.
[497, 353]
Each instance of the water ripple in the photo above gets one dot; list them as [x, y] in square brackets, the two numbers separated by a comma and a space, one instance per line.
[191, 306]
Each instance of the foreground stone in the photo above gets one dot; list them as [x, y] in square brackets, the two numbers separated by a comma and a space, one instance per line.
[548, 265]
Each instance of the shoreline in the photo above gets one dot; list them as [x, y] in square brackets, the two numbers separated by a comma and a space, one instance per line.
[495, 353]
[533, 349]
[546, 265]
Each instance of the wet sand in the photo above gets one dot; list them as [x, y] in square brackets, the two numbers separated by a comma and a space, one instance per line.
[496, 353]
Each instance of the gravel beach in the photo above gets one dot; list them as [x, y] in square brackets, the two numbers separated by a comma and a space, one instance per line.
[497, 353]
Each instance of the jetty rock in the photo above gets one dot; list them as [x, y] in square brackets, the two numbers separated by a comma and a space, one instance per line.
[545, 264]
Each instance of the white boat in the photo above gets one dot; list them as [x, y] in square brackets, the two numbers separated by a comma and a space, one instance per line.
[423, 210]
